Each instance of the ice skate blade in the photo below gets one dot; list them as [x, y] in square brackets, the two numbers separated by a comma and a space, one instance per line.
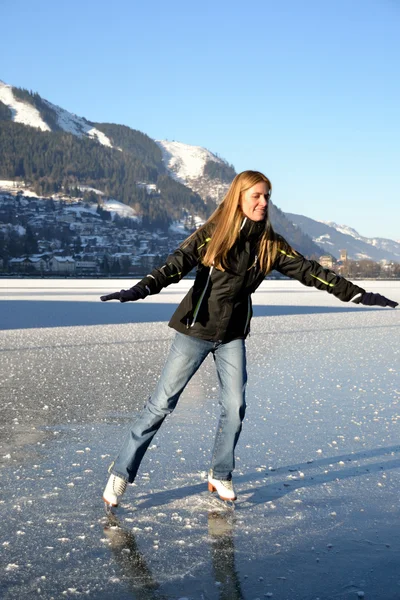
[109, 508]
[228, 505]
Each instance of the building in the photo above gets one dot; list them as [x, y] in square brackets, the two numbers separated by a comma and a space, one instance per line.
[61, 264]
[326, 261]
[18, 265]
[86, 266]
[27, 264]
[39, 262]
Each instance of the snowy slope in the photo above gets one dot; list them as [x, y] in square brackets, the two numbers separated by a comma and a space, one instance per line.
[343, 229]
[21, 112]
[380, 243]
[25, 113]
[78, 126]
[7, 186]
[120, 209]
[185, 161]
[186, 164]
[334, 238]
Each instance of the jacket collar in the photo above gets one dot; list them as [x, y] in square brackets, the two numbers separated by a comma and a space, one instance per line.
[252, 230]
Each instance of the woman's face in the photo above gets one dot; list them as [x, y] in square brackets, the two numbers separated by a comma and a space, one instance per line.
[254, 201]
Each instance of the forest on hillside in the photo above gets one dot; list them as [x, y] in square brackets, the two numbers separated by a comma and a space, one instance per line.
[52, 162]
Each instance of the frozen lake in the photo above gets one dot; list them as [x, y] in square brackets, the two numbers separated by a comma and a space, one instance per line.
[318, 462]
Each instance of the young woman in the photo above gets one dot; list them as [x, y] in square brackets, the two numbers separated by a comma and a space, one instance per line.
[232, 251]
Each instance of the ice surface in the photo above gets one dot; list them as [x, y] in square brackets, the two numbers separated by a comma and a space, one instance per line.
[318, 463]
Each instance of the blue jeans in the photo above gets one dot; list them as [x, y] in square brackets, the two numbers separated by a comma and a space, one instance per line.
[185, 357]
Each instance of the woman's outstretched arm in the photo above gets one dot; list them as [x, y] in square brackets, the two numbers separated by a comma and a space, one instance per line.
[312, 274]
[177, 265]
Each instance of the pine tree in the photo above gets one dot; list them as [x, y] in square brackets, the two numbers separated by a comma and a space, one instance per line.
[30, 242]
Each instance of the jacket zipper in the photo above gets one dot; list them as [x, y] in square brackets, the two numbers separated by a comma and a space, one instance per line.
[196, 312]
[254, 263]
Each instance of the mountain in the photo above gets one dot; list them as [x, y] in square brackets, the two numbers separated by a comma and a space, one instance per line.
[30, 109]
[333, 238]
[196, 167]
[51, 151]
[384, 244]
[210, 176]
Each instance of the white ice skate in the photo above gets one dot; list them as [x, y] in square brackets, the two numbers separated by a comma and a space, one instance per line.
[114, 490]
[224, 488]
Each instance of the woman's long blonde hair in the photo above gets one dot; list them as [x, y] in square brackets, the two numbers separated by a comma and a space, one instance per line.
[223, 227]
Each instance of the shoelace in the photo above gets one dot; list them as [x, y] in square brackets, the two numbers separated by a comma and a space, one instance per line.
[119, 485]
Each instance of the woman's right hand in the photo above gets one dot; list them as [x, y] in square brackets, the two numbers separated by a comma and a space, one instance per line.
[114, 296]
[371, 299]
[134, 293]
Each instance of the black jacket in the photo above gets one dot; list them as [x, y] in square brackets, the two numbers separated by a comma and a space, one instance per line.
[218, 307]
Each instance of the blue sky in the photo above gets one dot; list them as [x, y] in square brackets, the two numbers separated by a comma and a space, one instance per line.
[307, 92]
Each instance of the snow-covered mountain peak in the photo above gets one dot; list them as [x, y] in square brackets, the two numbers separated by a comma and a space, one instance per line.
[187, 164]
[343, 229]
[27, 114]
[334, 238]
[346, 230]
[185, 161]
[78, 126]
[22, 112]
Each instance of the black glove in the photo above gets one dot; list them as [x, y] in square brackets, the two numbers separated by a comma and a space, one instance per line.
[134, 293]
[130, 295]
[114, 296]
[370, 299]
